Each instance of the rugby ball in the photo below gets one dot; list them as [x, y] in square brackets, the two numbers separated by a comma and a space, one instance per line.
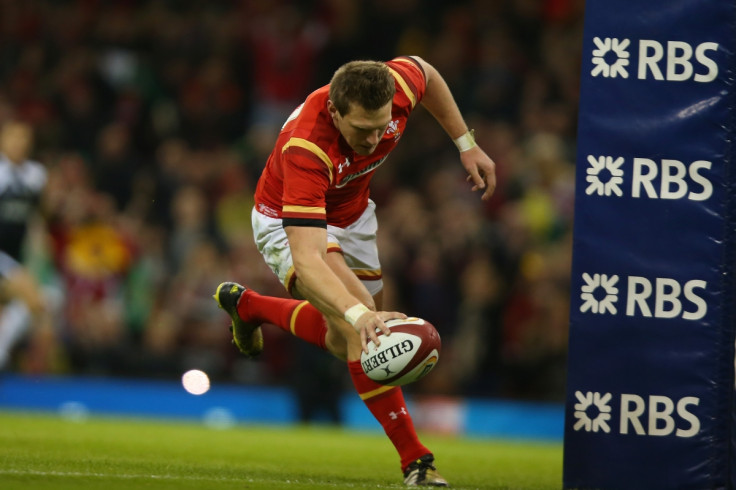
[407, 355]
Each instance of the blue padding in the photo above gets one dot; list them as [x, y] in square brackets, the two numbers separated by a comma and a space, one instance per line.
[356, 415]
[650, 386]
[514, 420]
[146, 398]
[227, 405]
[484, 418]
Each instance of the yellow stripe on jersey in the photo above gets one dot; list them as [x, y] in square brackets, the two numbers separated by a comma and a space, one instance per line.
[404, 86]
[334, 247]
[409, 62]
[376, 392]
[368, 273]
[303, 209]
[294, 314]
[405, 59]
[290, 278]
[308, 145]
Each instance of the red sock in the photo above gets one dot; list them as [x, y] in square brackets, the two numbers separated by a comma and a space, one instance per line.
[387, 405]
[297, 317]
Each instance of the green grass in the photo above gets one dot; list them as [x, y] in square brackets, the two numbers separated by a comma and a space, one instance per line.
[40, 451]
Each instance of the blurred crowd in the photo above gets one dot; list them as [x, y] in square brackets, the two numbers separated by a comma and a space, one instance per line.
[154, 119]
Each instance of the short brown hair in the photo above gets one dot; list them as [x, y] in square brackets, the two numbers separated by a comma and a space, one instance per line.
[366, 83]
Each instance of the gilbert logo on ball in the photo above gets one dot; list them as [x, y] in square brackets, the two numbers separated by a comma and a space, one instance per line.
[407, 355]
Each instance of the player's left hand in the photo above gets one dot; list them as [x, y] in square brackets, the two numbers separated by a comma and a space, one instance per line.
[481, 170]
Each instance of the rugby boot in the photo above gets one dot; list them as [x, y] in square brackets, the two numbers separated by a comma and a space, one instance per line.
[247, 336]
[422, 473]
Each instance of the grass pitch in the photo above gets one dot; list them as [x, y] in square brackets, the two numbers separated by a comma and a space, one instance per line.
[39, 451]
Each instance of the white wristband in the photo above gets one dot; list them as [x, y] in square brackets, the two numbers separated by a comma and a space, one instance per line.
[466, 141]
[354, 312]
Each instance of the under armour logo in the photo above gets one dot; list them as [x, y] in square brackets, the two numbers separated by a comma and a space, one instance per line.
[395, 415]
[345, 164]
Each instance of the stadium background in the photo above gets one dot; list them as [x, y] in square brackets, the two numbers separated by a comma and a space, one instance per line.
[154, 119]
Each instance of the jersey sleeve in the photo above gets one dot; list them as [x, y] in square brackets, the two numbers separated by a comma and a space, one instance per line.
[410, 78]
[306, 180]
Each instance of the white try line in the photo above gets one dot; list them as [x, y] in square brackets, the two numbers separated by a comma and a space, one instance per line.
[123, 476]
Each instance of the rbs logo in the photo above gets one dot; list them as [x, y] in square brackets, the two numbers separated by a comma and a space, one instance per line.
[653, 179]
[674, 61]
[660, 419]
[678, 62]
[664, 298]
[676, 179]
[654, 416]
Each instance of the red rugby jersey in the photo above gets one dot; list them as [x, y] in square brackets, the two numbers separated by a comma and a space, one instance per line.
[312, 175]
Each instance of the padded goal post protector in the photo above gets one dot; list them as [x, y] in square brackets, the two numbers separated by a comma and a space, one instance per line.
[650, 391]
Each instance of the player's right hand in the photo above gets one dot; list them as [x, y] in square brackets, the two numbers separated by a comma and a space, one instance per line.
[372, 322]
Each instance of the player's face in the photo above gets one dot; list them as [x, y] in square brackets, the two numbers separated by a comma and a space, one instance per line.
[362, 129]
[15, 141]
